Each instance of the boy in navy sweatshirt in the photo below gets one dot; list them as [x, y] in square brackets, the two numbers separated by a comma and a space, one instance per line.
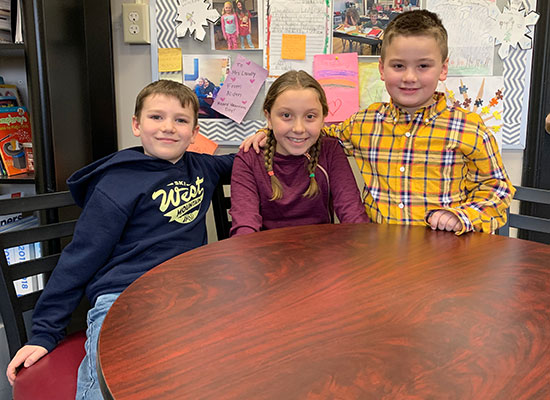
[141, 207]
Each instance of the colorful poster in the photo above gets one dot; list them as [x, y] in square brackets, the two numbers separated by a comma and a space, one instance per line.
[297, 17]
[338, 75]
[240, 89]
[371, 87]
[482, 95]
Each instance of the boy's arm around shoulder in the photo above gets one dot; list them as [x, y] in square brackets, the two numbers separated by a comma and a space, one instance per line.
[353, 130]
[488, 189]
[224, 164]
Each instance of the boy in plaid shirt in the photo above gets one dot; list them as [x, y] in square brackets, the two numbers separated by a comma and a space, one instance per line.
[422, 161]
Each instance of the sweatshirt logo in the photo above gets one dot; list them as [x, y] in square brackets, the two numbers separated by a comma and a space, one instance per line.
[180, 200]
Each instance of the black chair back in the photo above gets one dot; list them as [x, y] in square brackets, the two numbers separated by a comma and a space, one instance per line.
[49, 234]
[528, 222]
[221, 203]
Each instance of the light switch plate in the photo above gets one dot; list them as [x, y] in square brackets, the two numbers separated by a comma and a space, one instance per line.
[135, 22]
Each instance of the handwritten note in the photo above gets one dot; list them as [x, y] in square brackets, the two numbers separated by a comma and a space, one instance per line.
[471, 26]
[203, 145]
[170, 60]
[293, 47]
[338, 75]
[240, 89]
[296, 17]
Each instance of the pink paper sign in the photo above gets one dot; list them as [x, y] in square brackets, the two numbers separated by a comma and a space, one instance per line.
[338, 75]
[240, 89]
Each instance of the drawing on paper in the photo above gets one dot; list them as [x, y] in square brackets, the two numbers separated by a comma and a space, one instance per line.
[481, 95]
[194, 16]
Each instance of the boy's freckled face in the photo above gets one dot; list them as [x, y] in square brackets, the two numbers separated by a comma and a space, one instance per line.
[411, 70]
[165, 128]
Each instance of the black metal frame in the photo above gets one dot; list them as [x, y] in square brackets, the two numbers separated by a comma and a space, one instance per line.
[221, 203]
[11, 306]
[528, 222]
[535, 157]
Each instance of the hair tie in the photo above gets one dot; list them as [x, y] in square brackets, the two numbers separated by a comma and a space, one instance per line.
[312, 175]
[270, 173]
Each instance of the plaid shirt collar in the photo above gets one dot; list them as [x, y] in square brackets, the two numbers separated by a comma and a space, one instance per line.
[426, 114]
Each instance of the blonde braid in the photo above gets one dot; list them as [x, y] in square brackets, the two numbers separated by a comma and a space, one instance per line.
[269, 153]
[314, 151]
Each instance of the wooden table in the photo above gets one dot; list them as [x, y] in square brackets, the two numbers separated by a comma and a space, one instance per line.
[360, 311]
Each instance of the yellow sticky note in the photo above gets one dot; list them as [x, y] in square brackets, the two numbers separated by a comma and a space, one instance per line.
[169, 60]
[293, 47]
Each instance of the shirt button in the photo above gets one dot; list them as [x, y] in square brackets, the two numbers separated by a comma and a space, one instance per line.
[402, 169]
[408, 134]
[401, 205]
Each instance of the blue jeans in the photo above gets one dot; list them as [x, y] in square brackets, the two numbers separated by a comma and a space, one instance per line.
[248, 39]
[88, 384]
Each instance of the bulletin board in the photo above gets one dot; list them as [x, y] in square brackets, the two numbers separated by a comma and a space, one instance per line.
[288, 16]
[489, 71]
[490, 54]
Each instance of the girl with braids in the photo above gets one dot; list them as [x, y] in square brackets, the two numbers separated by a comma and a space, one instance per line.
[302, 175]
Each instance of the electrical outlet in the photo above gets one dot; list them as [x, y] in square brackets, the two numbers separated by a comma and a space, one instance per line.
[135, 22]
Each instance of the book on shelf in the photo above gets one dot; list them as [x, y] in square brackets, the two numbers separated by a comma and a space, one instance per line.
[10, 218]
[23, 253]
[5, 22]
[10, 91]
[16, 140]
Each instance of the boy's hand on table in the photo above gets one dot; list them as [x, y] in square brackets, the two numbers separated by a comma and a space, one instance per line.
[26, 356]
[257, 141]
[444, 221]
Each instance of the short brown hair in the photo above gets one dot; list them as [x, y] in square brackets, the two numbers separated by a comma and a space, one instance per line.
[184, 94]
[416, 23]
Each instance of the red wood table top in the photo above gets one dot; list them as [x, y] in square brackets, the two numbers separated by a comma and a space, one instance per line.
[360, 311]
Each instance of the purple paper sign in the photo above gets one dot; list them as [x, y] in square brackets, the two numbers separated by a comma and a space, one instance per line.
[240, 89]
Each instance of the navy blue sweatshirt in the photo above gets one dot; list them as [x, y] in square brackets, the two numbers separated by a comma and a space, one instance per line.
[138, 211]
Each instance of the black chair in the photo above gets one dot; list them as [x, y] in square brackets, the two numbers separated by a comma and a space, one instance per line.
[528, 222]
[54, 376]
[221, 203]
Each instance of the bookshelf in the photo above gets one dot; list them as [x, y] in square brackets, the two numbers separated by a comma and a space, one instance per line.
[26, 179]
[64, 73]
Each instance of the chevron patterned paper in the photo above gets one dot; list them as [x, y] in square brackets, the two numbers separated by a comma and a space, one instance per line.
[514, 88]
[167, 11]
[226, 131]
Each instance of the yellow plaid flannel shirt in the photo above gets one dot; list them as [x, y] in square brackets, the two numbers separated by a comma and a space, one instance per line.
[440, 158]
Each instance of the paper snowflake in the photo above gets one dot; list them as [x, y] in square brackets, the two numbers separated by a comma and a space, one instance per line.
[194, 15]
[513, 26]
